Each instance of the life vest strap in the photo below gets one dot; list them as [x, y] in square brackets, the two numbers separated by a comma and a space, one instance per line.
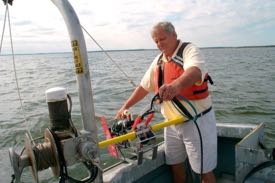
[180, 51]
[210, 80]
[200, 91]
[160, 76]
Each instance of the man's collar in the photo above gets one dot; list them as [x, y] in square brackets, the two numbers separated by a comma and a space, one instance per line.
[165, 59]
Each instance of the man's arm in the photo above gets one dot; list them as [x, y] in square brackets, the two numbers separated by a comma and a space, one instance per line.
[136, 96]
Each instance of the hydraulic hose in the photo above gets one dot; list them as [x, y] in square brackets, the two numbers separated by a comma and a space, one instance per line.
[178, 105]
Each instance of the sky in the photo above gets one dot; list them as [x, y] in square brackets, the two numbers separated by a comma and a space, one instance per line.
[37, 25]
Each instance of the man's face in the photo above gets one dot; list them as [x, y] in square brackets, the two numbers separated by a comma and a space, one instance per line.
[165, 41]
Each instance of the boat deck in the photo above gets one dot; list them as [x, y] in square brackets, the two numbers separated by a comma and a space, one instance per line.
[235, 160]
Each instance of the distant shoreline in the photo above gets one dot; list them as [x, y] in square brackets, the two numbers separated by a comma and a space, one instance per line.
[93, 51]
[238, 46]
[215, 47]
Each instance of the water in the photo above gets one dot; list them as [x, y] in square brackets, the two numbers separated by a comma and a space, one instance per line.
[243, 91]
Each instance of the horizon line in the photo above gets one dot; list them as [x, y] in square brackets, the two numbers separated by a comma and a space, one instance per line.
[138, 49]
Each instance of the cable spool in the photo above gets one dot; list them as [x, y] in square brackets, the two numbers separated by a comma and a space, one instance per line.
[31, 156]
[58, 109]
[42, 156]
[36, 156]
[55, 167]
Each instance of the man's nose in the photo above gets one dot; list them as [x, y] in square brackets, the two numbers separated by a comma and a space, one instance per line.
[159, 45]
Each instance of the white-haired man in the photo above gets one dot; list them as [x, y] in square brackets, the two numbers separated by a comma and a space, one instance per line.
[179, 72]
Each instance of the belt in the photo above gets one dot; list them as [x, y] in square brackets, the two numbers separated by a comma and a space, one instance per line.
[204, 112]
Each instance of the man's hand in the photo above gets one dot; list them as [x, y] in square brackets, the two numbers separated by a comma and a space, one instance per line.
[121, 113]
[136, 96]
[167, 92]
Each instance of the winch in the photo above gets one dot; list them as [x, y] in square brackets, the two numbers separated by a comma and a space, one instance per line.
[62, 145]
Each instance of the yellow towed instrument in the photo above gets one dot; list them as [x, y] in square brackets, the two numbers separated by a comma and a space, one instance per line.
[132, 135]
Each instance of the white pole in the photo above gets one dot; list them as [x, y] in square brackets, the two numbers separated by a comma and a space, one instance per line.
[81, 64]
[81, 69]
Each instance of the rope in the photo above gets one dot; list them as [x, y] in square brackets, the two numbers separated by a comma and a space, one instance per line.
[15, 74]
[44, 156]
[3, 31]
[106, 53]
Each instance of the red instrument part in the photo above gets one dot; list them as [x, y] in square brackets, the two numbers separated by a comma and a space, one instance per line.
[137, 121]
[111, 148]
[140, 118]
[149, 118]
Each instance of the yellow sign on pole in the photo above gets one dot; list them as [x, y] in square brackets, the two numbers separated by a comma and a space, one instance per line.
[77, 58]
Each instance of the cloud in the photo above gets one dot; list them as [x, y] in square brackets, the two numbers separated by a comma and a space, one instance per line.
[24, 22]
[126, 24]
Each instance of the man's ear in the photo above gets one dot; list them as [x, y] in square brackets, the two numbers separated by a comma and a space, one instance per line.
[175, 34]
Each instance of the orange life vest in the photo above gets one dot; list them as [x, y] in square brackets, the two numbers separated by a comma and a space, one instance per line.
[166, 72]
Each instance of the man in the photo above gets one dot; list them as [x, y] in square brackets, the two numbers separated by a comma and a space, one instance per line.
[179, 71]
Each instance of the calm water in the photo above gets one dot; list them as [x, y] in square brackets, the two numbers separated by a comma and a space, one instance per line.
[243, 91]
